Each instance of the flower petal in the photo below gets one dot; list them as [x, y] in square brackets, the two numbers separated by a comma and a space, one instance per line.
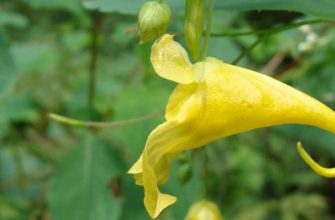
[159, 152]
[171, 61]
[224, 100]
[322, 171]
[245, 100]
[164, 144]
[155, 201]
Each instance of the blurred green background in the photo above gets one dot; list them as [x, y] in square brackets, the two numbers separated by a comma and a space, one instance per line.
[82, 60]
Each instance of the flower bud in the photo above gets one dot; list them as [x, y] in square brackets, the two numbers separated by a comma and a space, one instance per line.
[153, 20]
[204, 210]
[184, 173]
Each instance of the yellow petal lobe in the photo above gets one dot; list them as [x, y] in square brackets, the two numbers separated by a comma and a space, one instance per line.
[322, 171]
[171, 61]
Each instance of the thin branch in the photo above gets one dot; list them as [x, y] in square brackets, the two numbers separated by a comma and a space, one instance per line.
[96, 28]
[17, 158]
[247, 50]
[75, 122]
[274, 63]
[269, 31]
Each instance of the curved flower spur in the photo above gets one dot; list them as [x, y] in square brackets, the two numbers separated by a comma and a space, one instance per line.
[213, 100]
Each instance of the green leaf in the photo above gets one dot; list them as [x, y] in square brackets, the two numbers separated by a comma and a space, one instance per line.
[133, 200]
[322, 8]
[126, 7]
[135, 102]
[9, 18]
[306, 205]
[13, 208]
[81, 184]
[35, 57]
[60, 4]
[18, 107]
[74, 6]
[187, 194]
[7, 72]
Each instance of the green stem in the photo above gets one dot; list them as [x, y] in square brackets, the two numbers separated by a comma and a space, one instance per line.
[270, 31]
[263, 33]
[204, 172]
[75, 122]
[208, 28]
[19, 167]
[99, 19]
[246, 51]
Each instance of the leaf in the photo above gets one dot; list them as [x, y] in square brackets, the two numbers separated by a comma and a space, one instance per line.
[305, 205]
[187, 193]
[133, 200]
[18, 107]
[60, 4]
[9, 18]
[7, 71]
[126, 7]
[73, 6]
[257, 211]
[135, 102]
[34, 57]
[80, 188]
[322, 8]
[13, 208]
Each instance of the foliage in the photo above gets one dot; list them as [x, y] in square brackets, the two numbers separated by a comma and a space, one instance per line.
[322, 9]
[54, 171]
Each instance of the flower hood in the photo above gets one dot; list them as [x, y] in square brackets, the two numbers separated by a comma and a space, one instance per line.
[212, 100]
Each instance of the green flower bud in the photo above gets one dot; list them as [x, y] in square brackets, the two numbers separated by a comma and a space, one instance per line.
[184, 173]
[153, 20]
[204, 210]
[184, 158]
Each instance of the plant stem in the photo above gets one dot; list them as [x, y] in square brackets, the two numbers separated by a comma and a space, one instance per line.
[204, 171]
[246, 51]
[75, 122]
[273, 30]
[95, 32]
[19, 167]
[263, 33]
[208, 28]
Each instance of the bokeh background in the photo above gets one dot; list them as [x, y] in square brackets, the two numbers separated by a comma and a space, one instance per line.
[83, 60]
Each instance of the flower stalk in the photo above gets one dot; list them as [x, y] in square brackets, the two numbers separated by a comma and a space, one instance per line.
[75, 122]
[208, 28]
[193, 26]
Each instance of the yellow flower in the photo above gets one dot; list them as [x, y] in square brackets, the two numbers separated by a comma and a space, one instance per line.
[204, 210]
[213, 100]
